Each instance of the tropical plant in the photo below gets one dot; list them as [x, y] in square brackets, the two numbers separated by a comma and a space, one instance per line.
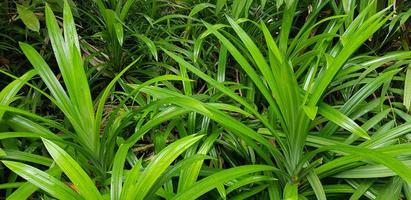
[216, 99]
[80, 134]
[294, 82]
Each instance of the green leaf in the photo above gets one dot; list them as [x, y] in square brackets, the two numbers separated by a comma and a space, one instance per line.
[79, 106]
[311, 111]
[42, 180]
[199, 7]
[131, 179]
[347, 4]
[2, 153]
[221, 191]
[316, 184]
[362, 187]
[173, 171]
[342, 120]
[73, 170]
[291, 191]
[159, 164]
[150, 44]
[118, 28]
[126, 7]
[392, 190]
[370, 171]
[357, 34]
[211, 182]
[407, 89]
[6, 135]
[120, 157]
[219, 5]
[27, 189]
[25, 156]
[47, 76]
[248, 180]
[189, 175]
[9, 92]
[360, 153]
[28, 17]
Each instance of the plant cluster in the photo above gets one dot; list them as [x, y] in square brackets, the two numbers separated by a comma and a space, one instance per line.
[216, 99]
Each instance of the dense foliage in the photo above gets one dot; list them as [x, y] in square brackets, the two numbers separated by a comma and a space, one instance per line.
[219, 99]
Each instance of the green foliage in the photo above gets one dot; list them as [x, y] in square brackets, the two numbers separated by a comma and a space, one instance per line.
[220, 99]
[28, 17]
